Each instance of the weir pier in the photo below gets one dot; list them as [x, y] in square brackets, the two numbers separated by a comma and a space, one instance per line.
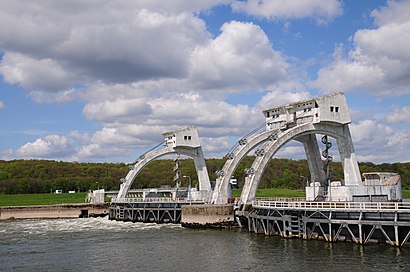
[359, 222]
[361, 208]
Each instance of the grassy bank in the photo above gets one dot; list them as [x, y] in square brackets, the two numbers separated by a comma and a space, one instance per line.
[272, 192]
[47, 199]
[41, 199]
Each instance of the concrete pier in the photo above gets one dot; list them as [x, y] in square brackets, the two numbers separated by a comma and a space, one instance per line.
[203, 216]
[53, 211]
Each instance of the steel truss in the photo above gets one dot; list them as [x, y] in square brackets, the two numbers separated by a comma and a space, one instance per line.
[361, 227]
[160, 212]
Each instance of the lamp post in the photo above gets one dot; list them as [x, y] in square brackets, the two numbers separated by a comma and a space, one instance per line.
[189, 187]
[307, 181]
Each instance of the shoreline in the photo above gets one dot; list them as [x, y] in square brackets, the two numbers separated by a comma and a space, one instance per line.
[54, 211]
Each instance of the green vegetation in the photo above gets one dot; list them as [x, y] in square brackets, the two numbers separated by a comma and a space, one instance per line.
[272, 192]
[41, 176]
[41, 199]
[406, 193]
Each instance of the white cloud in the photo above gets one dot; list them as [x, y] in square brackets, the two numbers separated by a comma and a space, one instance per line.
[399, 115]
[322, 11]
[50, 146]
[36, 74]
[377, 142]
[240, 57]
[393, 12]
[145, 67]
[119, 110]
[215, 145]
[380, 61]
[278, 97]
[50, 47]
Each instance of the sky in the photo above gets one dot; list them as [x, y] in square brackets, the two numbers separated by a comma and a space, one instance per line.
[101, 80]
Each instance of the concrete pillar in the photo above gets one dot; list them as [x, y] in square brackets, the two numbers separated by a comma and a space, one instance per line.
[313, 157]
[202, 172]
[348, 158]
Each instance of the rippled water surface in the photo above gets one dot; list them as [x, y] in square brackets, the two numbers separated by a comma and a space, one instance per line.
[103, 245]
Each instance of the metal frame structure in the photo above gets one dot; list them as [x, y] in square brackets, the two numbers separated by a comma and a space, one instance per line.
[359, 222]
[149, 211]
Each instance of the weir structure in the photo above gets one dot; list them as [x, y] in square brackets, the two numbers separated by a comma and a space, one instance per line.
[304, 121]
[183, 141]
[350, 209]
[163, 205]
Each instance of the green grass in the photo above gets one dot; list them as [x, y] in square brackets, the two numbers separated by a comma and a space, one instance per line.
[272, 192]
[47, 199]
[41, 199]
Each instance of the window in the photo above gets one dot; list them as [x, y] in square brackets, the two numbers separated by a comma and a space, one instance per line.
[267, 114]
[187, 137]
[336, 109]
[331, 108]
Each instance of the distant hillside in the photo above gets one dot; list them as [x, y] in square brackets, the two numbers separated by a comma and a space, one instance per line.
[42, 176]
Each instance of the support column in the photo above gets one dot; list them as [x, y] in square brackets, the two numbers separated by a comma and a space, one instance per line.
[313, 158]
[348, 158]
[202, 172]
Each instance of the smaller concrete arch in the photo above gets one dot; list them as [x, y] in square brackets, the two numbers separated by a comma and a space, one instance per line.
[183, 141]
[220, 194]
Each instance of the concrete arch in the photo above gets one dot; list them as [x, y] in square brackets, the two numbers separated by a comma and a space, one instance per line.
[253, 177]
[220, 194]
[182, 141]
[281, 137]
[137, 168]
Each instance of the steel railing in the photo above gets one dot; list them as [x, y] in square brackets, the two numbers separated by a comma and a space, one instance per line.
[157, 200]
[345, 206]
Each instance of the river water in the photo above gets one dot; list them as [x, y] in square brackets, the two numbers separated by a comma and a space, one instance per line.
[97, 244]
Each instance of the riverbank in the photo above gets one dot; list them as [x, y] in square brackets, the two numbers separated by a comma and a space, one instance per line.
[53, 211]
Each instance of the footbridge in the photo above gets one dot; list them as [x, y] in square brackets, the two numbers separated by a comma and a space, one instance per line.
[303, 121]
[183, 141]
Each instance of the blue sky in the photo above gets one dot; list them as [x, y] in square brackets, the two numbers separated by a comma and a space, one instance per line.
[101, 80]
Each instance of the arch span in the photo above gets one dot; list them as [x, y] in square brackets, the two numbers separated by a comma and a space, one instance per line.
[220, 194]
[336, 130]
[182, 141]
[340, 133]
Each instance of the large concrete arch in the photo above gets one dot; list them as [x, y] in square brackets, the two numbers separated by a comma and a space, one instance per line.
[307, 135]
[183, 141]
[326, 115]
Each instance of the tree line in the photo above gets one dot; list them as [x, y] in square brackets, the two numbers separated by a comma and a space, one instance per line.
[45, 176]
